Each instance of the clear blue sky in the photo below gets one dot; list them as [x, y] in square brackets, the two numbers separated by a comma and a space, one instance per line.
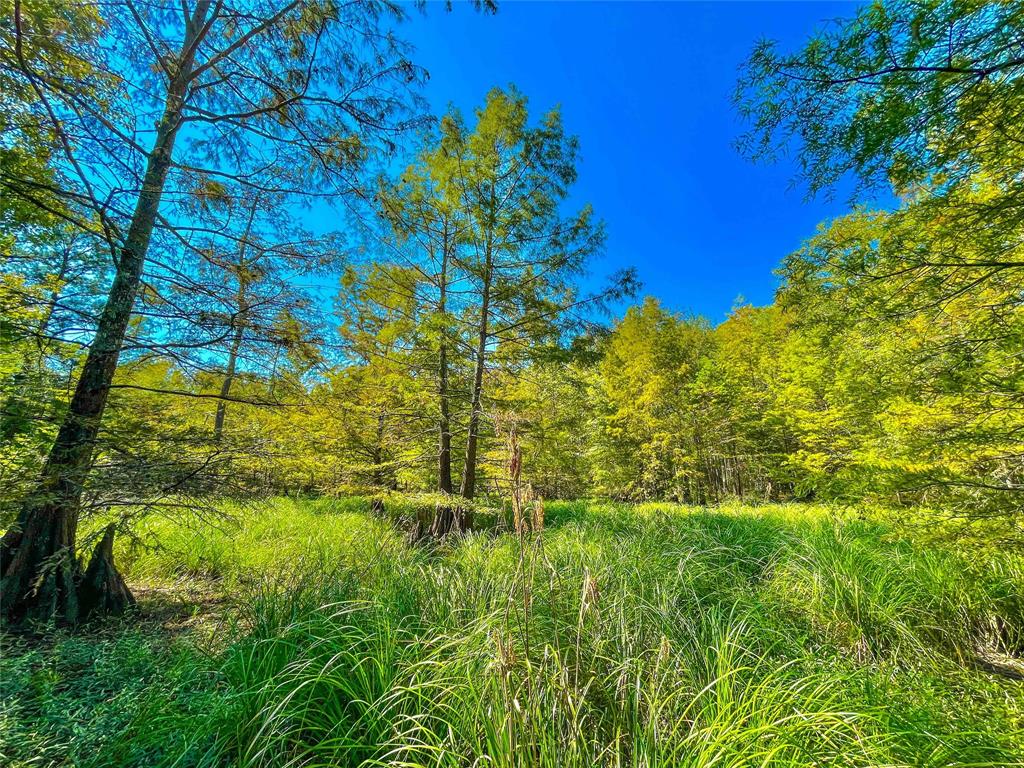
[647, 88]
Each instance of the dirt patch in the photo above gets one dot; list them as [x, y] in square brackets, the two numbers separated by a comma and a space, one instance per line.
[187, 606]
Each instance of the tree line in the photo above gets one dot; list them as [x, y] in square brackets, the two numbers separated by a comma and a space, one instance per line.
[167, 336]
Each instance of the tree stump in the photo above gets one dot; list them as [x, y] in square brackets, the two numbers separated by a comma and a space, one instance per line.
[449, 519]
[417, 532]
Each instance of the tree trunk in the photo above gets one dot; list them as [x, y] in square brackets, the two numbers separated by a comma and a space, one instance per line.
[469, 468]
[103, 591]
[444, 455]
[379, 473]
[38, 565]
[225, 386]
[242, 305]
[229, 378]
[449, 519]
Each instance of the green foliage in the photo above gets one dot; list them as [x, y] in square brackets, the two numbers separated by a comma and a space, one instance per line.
[47, 44]
[904, 93]
[916, 312]
[921, 386]
[650, 635]
[888, 369]
[126, 696]
[649, 360]
[48, 281]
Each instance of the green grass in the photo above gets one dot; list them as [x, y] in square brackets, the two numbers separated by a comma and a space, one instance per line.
[646, 635]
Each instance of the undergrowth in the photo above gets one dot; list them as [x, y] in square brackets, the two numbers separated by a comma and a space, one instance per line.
[648, 635]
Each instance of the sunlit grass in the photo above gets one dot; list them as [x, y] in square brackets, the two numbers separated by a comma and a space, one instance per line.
[641, 636]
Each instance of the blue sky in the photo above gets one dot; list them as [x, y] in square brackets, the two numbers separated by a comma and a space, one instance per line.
[647, 88]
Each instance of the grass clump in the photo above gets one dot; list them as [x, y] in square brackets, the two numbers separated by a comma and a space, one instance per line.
[644, 636]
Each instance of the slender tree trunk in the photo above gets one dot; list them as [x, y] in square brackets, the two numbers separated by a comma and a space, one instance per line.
[241, 304]
[380, 475]
[444, 455]
[39, 568]
[229, 378]
[468, 489]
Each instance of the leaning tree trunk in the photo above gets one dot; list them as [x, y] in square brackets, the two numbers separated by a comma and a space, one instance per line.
[40, 576]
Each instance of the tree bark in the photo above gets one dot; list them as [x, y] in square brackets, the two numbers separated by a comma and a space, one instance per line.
[468, 488]
[229, 378]
[444, 455]
[39, 571]
[103, 591]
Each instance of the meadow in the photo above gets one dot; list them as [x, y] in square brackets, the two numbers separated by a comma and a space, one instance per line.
[311, 633]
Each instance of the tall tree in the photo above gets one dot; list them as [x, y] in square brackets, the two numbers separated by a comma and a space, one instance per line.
[523, 253]
[425, 212]
[650, 431]
[379, 308]
[248, 87]
[478, 219]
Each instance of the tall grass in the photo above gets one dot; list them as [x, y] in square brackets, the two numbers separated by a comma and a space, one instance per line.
[621, 636]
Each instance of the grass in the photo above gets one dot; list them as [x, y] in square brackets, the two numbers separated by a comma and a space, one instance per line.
[649, 635]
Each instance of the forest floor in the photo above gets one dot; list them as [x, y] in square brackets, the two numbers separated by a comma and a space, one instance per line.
[309, 633]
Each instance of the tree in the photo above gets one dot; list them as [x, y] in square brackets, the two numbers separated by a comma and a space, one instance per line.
[549, 407]
[478, 219]
[379, 309]
[650, 437]
[523, 255]
[925, 98]
[246, 88]
[238, 294]
[737, 391]
[426, 215]
[47, 44]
